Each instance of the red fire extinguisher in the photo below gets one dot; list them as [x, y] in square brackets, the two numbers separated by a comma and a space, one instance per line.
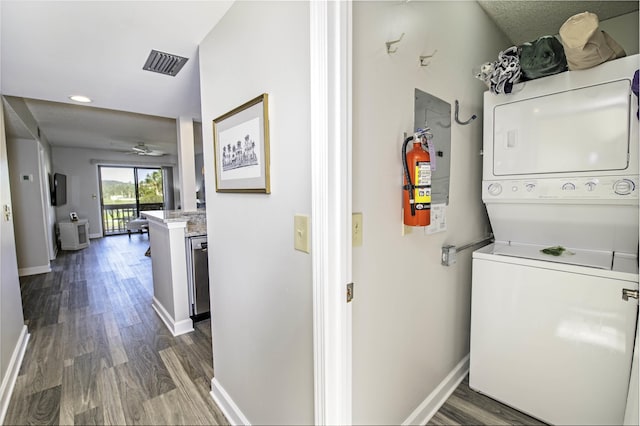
[417, 181]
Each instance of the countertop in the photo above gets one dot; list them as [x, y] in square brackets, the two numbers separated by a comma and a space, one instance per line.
[195, 221]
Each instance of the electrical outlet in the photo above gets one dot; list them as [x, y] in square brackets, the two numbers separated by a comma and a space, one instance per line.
[301, 233]
[356, 229]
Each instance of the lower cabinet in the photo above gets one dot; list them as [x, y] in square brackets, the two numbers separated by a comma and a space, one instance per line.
[74, 235]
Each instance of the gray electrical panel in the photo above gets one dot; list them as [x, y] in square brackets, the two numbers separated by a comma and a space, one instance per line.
[435, 113]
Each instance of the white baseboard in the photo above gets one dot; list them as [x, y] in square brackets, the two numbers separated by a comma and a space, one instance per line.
[176, 328]
[226, 404]
[10, 377]
[33, 270]
[436, 399]
[92, 236]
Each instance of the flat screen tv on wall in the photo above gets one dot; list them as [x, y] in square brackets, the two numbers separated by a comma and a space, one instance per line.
[59, 190]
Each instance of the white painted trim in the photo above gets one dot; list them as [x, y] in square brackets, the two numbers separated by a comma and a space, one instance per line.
[9, 379]
[330, 69]
[183, 327]
[229, 408]
[176, 328]
[436, 399]
[93, 236]
[33, 270]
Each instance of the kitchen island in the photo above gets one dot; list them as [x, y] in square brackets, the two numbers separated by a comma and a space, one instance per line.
[167, 232]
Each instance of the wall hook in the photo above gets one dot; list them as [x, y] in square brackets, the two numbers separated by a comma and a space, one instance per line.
[422, 58]
[473, 117]
[391, 43]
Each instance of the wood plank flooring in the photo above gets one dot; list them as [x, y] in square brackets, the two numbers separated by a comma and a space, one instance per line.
[99, 354]
[468, 407]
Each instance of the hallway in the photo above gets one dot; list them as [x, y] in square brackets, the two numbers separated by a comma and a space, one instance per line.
[99, 354]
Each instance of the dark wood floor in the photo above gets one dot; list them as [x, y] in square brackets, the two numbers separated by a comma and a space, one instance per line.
[99, 354]
[468, 407]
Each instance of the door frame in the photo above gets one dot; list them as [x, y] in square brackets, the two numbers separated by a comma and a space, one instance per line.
[331, 205]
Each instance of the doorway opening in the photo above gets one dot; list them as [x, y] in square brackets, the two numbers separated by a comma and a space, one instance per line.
[125, 192]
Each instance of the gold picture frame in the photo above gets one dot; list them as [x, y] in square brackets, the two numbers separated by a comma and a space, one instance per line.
[241, 148]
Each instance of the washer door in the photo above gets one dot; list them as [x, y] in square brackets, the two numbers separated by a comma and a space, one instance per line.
[556, 345]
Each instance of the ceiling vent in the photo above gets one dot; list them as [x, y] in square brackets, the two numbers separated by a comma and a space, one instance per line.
[164, 63]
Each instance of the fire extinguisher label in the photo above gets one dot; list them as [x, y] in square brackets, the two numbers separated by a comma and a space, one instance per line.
[423, 185]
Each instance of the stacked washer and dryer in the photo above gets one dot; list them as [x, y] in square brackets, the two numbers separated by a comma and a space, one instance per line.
[553, 317]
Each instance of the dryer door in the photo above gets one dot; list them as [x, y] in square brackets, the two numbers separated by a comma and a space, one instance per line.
[581, 130]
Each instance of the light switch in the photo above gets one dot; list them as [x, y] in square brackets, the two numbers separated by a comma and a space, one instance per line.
[301, 232]
[356, 229]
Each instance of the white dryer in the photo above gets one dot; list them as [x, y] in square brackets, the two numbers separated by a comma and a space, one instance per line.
[553, 335]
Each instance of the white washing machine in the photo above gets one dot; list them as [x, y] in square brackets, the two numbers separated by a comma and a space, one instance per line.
[553, 336]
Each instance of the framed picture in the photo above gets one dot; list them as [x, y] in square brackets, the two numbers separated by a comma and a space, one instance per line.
[241, 147]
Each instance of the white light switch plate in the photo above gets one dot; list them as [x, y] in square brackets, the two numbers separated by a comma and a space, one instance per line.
[301, 233]
[356, 229]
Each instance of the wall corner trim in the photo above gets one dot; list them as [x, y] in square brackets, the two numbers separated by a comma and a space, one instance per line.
[436, 399]
[229, 408]
[330, 30]
[176, 328]
[9, 379]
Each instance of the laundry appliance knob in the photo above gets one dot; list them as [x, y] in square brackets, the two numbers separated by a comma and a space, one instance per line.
[494, 189]
[624, 187]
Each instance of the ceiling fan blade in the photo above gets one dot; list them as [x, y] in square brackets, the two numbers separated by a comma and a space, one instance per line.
[140, 148]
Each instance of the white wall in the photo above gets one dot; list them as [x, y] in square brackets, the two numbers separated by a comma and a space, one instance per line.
[410, 314]
[11, 316]
[21, 112]
[83, 190]
[29, 221]
[624, 30]
[261, 286]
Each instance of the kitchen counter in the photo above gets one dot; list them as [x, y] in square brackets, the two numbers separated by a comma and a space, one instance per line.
[195, 222]
[167, 232]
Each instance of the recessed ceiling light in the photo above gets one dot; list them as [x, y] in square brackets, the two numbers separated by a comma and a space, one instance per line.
[80, 98]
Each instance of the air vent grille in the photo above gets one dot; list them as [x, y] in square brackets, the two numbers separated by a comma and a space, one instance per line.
[164, 63]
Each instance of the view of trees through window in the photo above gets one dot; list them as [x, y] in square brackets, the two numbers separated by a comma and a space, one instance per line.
[125, 191]
[118, 185]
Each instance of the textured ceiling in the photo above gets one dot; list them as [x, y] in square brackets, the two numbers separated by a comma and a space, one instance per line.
[524, 21]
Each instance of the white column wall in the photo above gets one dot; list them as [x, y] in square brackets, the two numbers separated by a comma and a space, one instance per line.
[12, 326]
[410, 314]
[186, 163]
[261, 287]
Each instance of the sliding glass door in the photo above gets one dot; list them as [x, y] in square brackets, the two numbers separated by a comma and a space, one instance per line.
[125, 192]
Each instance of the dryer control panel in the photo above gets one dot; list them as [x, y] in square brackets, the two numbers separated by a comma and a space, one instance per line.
[596, 190]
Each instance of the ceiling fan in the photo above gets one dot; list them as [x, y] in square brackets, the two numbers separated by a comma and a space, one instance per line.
[142, 149]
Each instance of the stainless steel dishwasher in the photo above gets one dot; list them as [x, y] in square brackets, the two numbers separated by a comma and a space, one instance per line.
[198, 279]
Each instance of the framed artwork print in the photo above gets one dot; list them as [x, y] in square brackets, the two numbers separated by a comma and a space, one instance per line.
[241, 147]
